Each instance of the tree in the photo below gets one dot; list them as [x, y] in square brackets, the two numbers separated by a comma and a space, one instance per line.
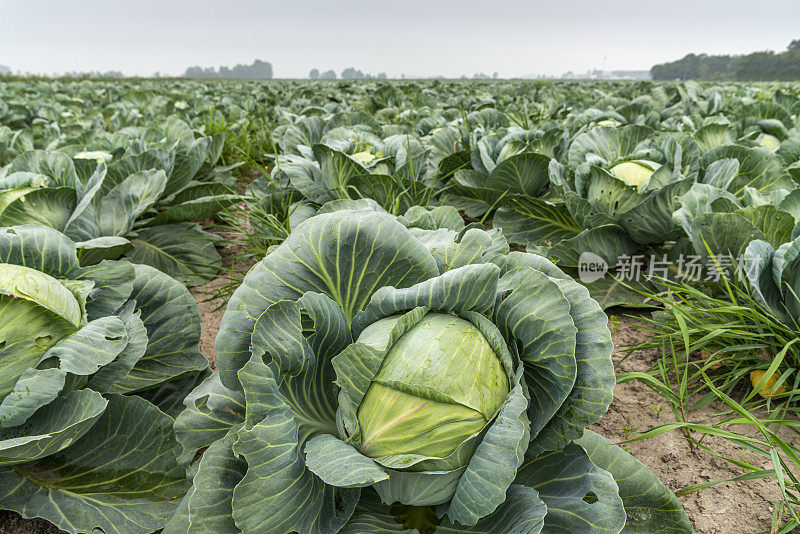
[382, 76]
[694, 66]
[328, 75]
[351, 74]
[258, 70]
[194, 72]
[4, 70]
[261, 69]
[766, 65]
[314, 74]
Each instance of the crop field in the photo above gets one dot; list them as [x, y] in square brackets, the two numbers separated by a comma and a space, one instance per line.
[399, 306]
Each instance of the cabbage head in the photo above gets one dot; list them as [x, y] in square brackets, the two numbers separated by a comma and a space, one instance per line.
[409, 374]
[91, 358]
[142, 204]
[348, 157]
[620, 187]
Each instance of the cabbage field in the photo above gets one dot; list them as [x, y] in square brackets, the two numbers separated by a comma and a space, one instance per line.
[399, 306]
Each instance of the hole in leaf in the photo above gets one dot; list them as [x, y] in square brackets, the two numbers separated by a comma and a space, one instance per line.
[306, 324]
[2, 345]
[113, 338]
[590, 497]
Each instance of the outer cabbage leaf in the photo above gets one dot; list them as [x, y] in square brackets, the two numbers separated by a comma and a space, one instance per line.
[649, 505]
[121, 476]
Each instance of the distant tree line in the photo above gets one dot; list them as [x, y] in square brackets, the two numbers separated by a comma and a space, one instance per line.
[258, 70]
[353, 74]
[480, 76]
[347, 74]
[4, 70]
[93, 74]
[751, 67]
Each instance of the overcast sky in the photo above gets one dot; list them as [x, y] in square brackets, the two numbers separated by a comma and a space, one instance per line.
[415, 37]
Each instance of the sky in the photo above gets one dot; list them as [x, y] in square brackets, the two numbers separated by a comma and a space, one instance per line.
[413, 37]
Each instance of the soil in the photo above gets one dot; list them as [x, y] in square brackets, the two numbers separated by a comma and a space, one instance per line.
[212, 296]
[12, 523]
[727, 508]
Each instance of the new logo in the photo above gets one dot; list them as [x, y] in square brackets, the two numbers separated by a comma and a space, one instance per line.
[591, 267]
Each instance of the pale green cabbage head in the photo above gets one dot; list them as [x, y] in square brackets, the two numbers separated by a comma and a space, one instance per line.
[97, 155]
[37, 312]
[408, 374]
[635, 173]
[422, 401]
[607, 123]
[363, 157]
[770, 142]
[41, 289]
